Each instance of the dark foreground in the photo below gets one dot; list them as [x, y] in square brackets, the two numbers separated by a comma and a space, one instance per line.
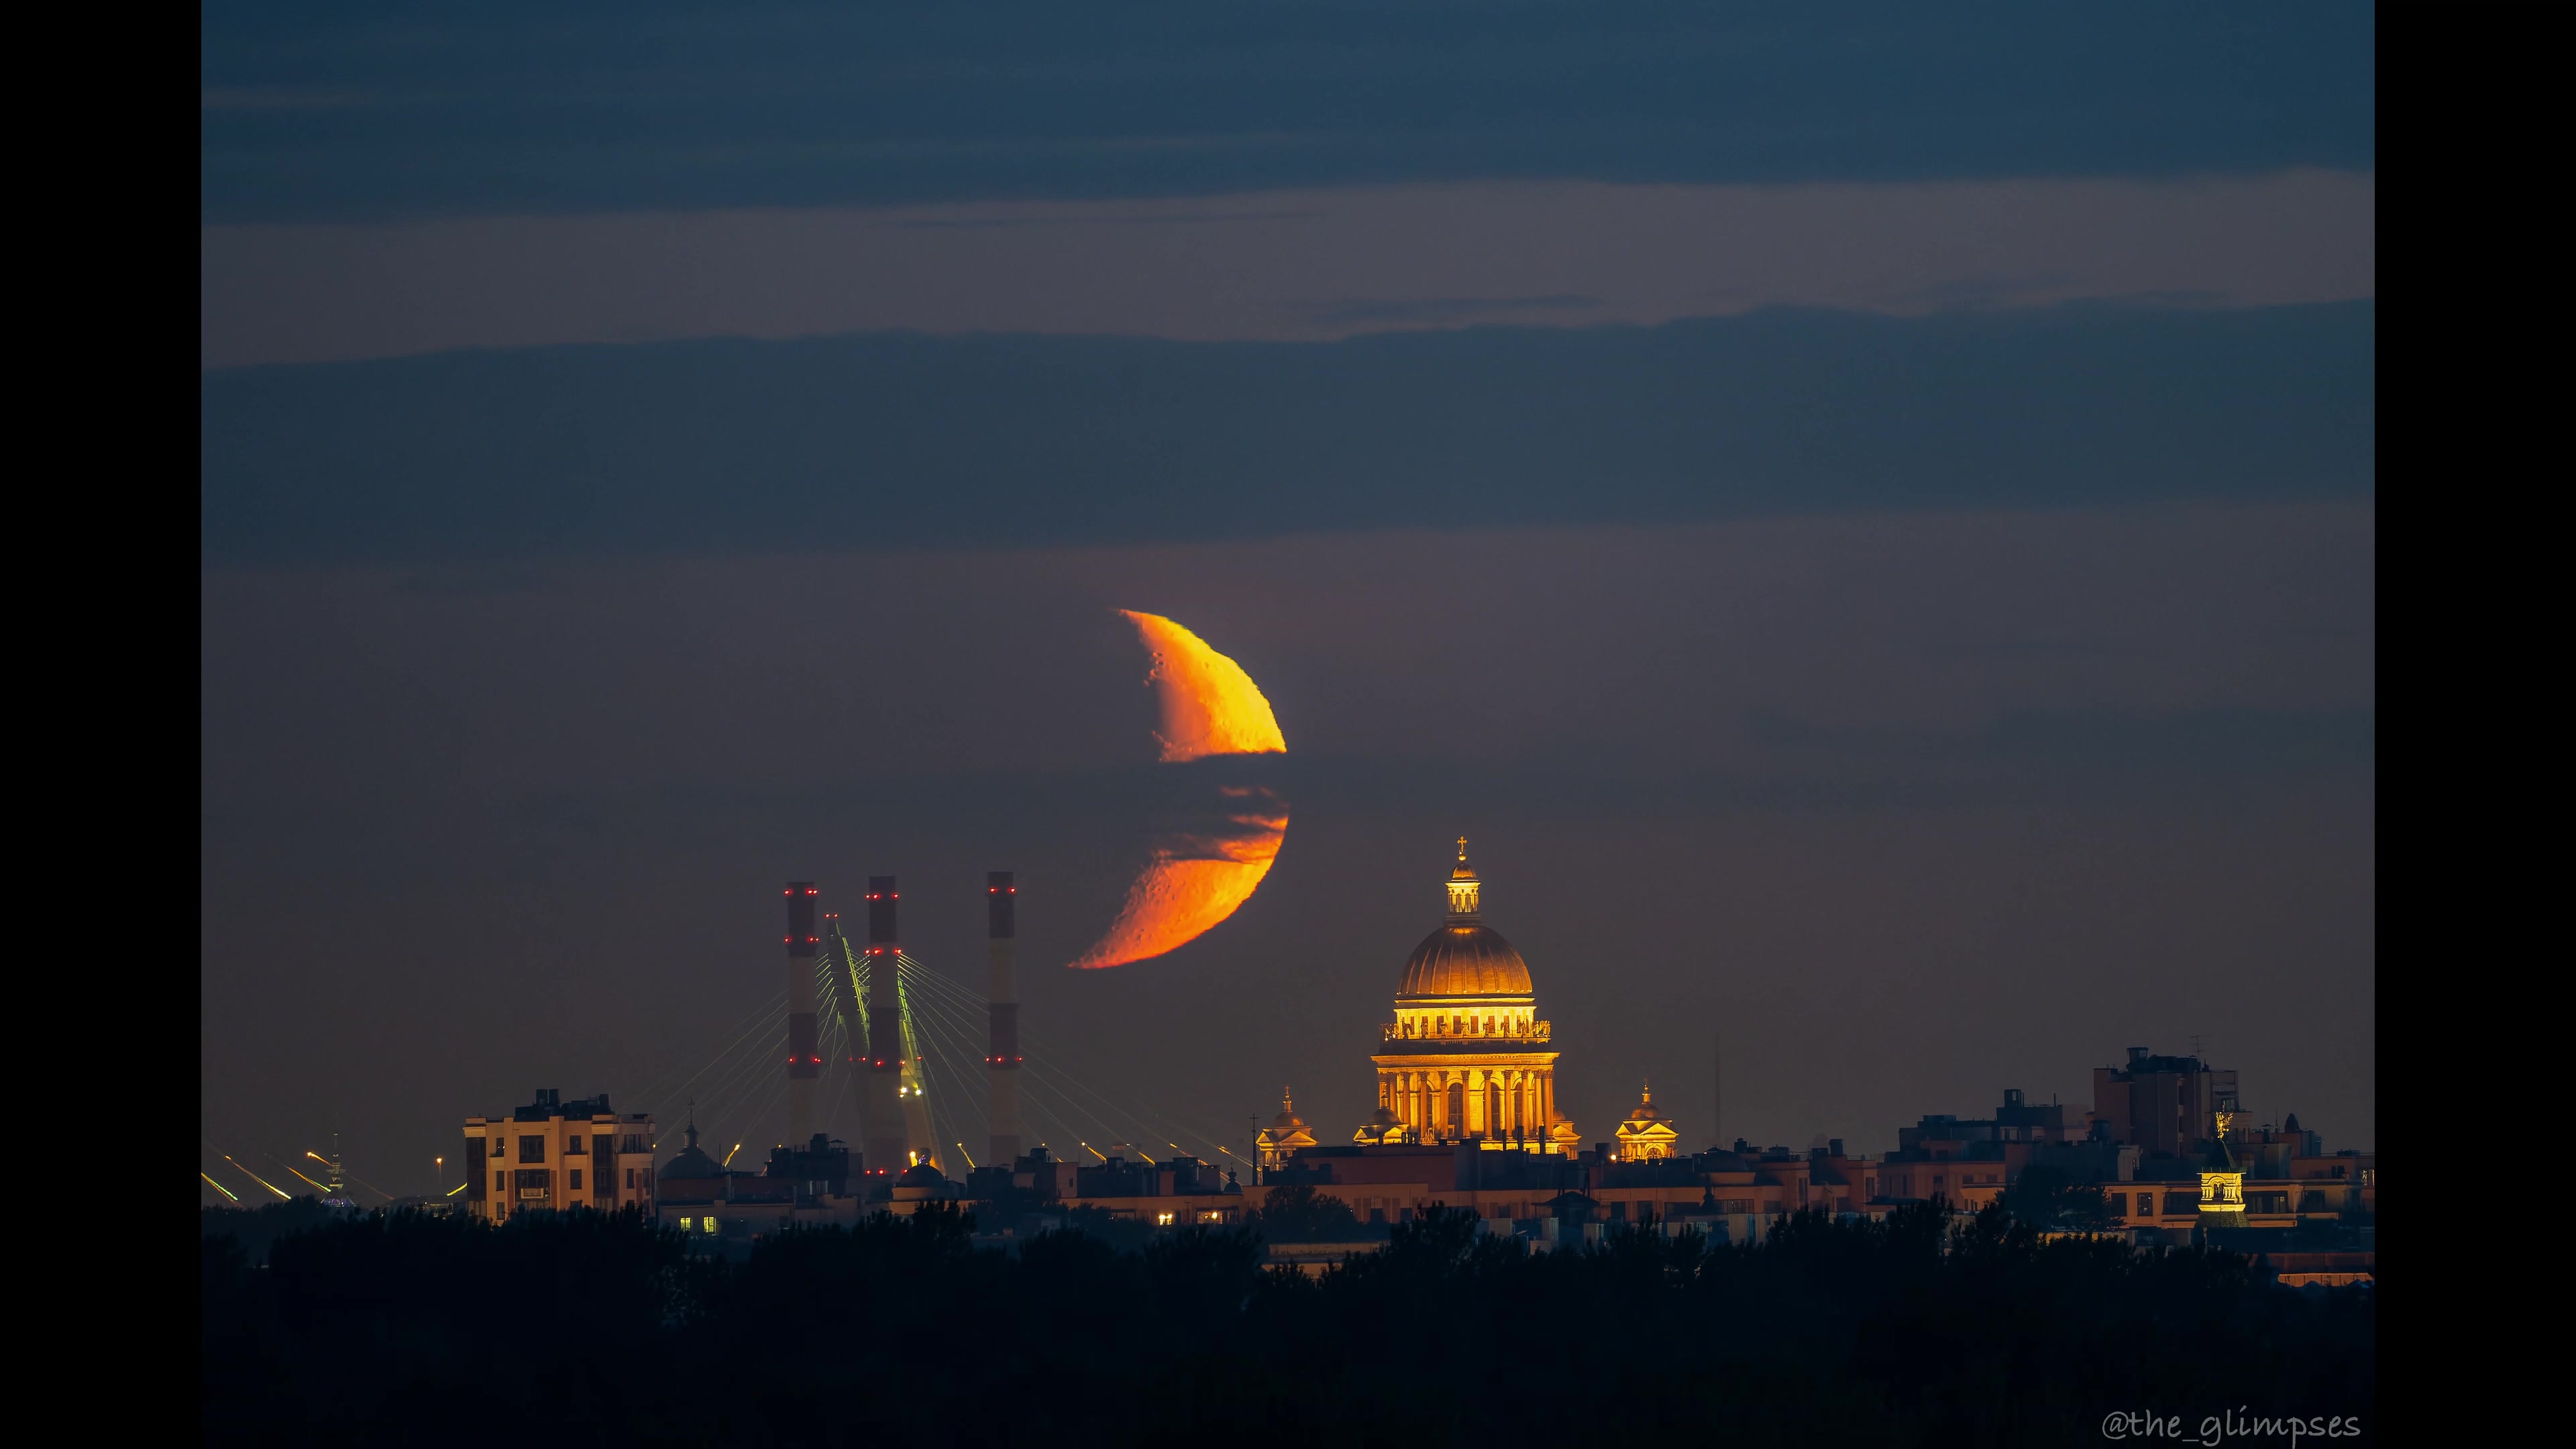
[590, 1329]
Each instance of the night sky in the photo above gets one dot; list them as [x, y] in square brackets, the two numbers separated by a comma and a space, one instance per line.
[1868, 527]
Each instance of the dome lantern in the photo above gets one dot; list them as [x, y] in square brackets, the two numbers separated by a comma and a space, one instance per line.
[1464, 888]
[1464, 957]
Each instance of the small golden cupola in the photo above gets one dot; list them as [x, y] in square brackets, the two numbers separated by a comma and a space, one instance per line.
[1286, 1134]
[1647, 1134]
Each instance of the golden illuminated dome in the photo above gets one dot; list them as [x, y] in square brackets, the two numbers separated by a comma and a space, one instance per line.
[1465, 960]
[1287, 1121]
[1646, 1108]
[1465, 957]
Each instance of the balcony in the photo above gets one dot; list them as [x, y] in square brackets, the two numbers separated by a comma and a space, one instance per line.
[1536, 1033]
[535, 1194]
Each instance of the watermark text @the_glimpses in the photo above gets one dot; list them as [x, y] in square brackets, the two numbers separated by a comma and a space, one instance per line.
[2210, 1430]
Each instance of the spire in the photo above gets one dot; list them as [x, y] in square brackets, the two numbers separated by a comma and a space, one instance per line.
[1465, 890]
[1285, 1103]
[692, 1129]
[1645, 1104]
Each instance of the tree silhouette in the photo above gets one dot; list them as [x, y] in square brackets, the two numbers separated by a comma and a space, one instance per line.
[1916, 1330]
[2050, 1198]
[1297, 1213]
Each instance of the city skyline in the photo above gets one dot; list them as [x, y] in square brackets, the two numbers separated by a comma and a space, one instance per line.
[1868, 522]
[1683, 1104]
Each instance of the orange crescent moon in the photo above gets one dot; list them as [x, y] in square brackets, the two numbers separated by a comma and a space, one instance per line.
[1209, 707]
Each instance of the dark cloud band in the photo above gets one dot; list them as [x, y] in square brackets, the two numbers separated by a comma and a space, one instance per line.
[313, 112]
[907, 442]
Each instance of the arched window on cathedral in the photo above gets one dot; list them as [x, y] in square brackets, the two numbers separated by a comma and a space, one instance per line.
[1458, 1107]
[1493, 1107]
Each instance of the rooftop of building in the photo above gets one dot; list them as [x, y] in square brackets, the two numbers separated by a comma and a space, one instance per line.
[550, 1105]
[2143, 1060]
[690, 1164]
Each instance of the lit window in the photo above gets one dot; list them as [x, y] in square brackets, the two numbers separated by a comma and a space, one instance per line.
[1163, 1219]
[711, 1225]
[688, 1225]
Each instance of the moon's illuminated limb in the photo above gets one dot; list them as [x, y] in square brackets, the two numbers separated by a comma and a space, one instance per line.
[1180, 898]
[1210, 706]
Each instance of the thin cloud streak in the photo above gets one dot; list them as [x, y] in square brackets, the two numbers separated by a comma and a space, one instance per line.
[1282, 266]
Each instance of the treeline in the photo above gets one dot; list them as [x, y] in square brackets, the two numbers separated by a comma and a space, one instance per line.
[595, 1329]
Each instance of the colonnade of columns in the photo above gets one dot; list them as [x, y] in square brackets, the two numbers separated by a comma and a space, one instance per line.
[1471, 1101]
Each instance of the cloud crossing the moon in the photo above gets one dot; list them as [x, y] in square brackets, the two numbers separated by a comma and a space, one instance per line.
[1196, 878]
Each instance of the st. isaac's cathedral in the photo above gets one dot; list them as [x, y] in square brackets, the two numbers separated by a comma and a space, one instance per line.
[1467, 1056]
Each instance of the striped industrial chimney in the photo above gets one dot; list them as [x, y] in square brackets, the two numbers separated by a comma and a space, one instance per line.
[804, 1058]
[884, 1153]
[1002, 1039]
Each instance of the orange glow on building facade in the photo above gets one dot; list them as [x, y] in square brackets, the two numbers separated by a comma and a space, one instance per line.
[556, 1155]
[1285, 1137]
[1646, 1136]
